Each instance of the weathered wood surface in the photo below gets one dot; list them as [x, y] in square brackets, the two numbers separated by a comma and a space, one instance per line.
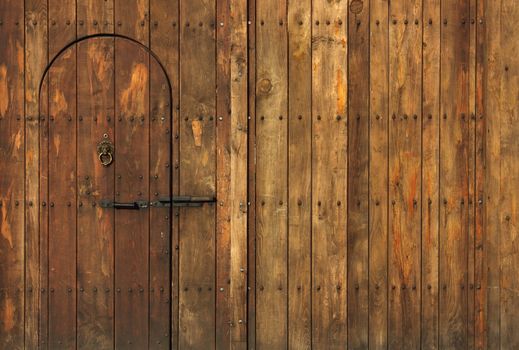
[329, 174]
[363, 154]
[12, 264]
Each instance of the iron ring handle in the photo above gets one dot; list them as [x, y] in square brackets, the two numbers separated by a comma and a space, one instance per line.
[103, 158]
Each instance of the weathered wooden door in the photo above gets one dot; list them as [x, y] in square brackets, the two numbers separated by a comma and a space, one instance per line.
[106, 181]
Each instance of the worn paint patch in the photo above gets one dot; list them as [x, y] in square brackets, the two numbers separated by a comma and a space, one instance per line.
[5, 228]
[341, 91]
[8, 319]
[4, 90]
[132, 98]
[196, 127]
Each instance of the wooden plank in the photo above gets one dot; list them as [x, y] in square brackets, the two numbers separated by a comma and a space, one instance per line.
[132, 183]
[329, 172]
[95, 262]
[378, 170]
[132, 131]
[454, 148]
[480, 278]
[238, 166]
[44, 213]
[509, 178]
[490, 22]
[271, 174]
[471, 70]
[197, 279]
[95, 110]
[12, 141]
[223, 176]
[35, 61]
[62, 179]
[160, 226]
[94, 17]
[430, 172]
[405, 132]
[300, 174]
[358, 173]
[251, 177]
[163, 19]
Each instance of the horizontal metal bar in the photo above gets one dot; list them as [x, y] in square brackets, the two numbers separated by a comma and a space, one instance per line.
[127, 206]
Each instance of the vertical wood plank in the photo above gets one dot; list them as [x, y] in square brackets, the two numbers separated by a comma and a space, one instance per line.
[35, 61]
[271, 174]
[12, 147]
[454, 147]
[62, 178]
[197, 279]
[471, 70]
[430, 172]
[251, 177]
[480, 278]
[163, 241]
[378, 172]
[509, 202]
[358, 173]
[132, 175]
[223, 175]
[160, 226]
[490, 23]
[44, 214]
[95, 111]
[238, 166]
[299, 176]
[405, 73]
[329, 172]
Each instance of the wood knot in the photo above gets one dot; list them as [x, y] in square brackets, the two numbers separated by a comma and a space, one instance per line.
[356, 6]
[264, 86]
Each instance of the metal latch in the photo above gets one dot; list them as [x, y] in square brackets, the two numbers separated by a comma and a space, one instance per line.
[118, 205]
[183, 201]
[175, 201]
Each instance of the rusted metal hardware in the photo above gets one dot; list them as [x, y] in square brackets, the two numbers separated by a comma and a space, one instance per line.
[183, 201]
[120, 205]
[175, 201]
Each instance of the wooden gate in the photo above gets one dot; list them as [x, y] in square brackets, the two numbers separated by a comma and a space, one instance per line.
[271, 174]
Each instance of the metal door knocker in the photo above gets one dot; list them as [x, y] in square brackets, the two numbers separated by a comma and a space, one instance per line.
[105, 150]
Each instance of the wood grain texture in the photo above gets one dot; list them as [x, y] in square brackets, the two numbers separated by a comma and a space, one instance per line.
[329, 174]
[509, 176]
[300, 172]
[132, 235]
[164, 267]
[480, 278]
[224, 321]
[160, 153]
[454, 148]
[238, 171]
[62, 185]
[271, 175]
[197, 241]
[405, 73]
[95, 230]
[378, 172]
[430, 172]
[339, 225]
[36, 50]
[12, 148]
[358, 173]
[95, 225]
[251, 176]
